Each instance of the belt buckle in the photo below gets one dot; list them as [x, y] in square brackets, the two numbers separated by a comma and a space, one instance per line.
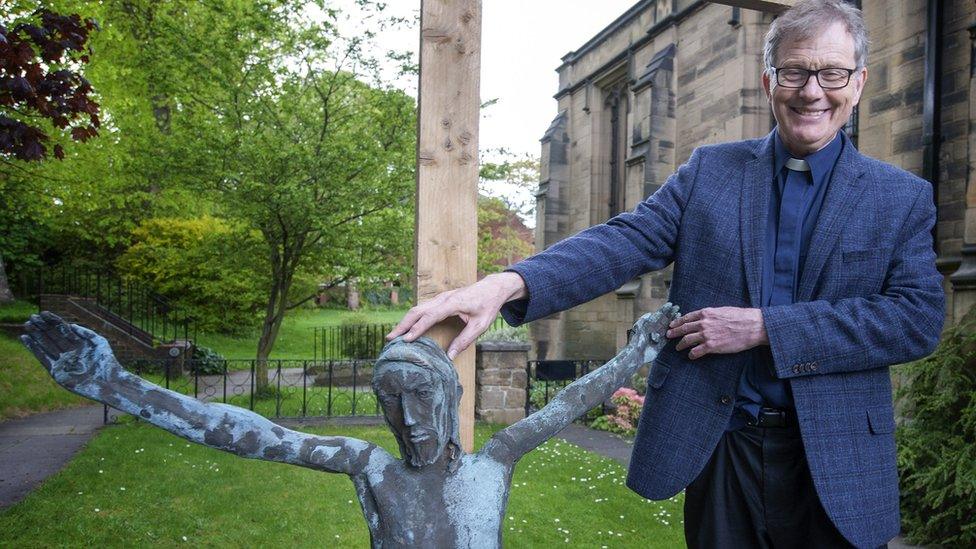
[771, 417]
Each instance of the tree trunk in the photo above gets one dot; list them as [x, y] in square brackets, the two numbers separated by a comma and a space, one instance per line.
[273, 316]
[352, 295]
[6, 296]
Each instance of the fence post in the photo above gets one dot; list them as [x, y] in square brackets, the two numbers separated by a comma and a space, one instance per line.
[278, 393]
[225, 382]
[329, 406]
[528, 386]
[252, 386]
[354, 383]
[304, 387]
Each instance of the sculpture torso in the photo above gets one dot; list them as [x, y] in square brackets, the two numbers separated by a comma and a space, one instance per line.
[423, 507]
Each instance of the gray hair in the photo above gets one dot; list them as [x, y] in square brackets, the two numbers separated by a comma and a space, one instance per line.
[809, 17]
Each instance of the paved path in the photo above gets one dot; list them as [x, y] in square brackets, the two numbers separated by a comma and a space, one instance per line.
[36, 447]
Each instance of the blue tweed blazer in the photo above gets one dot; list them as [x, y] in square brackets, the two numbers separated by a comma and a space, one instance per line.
[869, 297]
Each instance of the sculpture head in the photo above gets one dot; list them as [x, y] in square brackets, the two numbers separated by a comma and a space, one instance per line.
[419, 391]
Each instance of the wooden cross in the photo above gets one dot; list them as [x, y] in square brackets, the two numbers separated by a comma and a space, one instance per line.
[446, 234]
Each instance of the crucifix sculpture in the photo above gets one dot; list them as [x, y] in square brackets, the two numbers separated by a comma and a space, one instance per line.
[435, 495]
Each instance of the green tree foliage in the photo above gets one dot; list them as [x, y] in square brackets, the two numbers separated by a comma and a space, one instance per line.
[502, 237]
[937, 443]
[259, 113]
[204, 265]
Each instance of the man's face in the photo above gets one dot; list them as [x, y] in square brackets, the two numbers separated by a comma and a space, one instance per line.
[415, 406]
[809, 117]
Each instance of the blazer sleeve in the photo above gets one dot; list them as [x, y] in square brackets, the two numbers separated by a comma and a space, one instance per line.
[900, 324]
[603, 257]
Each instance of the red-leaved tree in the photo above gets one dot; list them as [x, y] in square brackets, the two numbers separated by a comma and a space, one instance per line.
[40, 79]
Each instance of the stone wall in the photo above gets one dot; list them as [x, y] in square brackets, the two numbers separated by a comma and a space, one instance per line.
[500, 381]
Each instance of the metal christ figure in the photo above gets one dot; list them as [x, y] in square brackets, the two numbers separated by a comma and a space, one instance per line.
[434, 496]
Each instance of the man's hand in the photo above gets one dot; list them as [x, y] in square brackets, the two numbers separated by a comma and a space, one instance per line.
[720, 330]
[477, 305]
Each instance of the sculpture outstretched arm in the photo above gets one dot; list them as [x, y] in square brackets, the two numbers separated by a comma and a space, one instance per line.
[82, 361]
[590, 390]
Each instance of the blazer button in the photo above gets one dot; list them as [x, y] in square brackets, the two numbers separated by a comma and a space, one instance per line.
[726, 399]
[813, 366]
[796, 369]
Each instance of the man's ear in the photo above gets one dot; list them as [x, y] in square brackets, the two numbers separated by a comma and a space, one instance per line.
[767, 83]
[860, 78]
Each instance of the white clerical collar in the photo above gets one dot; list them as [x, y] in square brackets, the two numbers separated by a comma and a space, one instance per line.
[797, 165]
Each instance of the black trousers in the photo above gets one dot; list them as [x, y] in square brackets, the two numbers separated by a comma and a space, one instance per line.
[756, 491]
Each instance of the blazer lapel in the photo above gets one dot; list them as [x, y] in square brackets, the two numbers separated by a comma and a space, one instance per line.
[757, 182]
[843, 192]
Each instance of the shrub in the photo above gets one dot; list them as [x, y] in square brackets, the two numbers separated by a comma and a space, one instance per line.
[937, 442]
[204, 265]
[623, 419]
[506, 333]
[206, 361]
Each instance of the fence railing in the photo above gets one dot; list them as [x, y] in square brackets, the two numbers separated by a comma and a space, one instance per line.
[358, 341]
[545, 378]
[144, 312]
[352, 342]
[294, 389]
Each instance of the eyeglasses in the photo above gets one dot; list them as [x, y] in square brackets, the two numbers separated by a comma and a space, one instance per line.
[830, 78]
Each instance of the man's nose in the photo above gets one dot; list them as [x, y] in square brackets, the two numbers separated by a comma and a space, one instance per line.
[812, 89]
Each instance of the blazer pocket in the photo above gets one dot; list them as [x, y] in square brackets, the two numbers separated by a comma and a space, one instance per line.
[851, 256]
[881, 420]
[659, 373]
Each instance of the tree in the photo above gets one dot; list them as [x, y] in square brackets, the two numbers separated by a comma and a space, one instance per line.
[41, 56]
[502, 237]
[42, 91]
[323, 170]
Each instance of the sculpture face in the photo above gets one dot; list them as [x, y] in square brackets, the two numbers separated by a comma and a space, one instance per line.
[416, 409]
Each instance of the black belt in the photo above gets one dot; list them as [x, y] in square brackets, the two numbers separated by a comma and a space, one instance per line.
[773, 417]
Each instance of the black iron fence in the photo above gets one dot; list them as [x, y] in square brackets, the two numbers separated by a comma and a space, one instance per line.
[358, 341]
[294, 388]
[143, 312]
[545, 378]
[351, 342]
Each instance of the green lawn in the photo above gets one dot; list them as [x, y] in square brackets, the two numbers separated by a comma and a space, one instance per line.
[137, 486]
[25, 386]
[295, 339]
[17, 312]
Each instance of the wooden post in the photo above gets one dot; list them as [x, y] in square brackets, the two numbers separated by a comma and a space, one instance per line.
[771, 6]
[447, 169]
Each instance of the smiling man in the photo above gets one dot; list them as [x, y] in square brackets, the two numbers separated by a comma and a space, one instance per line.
[808, 269]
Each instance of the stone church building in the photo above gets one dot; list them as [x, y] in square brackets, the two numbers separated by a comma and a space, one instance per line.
[670, 75]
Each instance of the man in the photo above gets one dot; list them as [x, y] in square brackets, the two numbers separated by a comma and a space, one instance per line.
[806, 270]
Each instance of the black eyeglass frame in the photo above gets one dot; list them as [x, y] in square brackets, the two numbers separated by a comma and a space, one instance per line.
[850, 72]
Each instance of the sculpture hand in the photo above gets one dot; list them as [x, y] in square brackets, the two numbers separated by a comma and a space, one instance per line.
[650, 330]
[72, 355]
[477, 305]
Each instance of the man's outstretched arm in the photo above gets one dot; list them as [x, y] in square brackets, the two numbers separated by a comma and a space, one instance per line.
[589, 391]
[82, 362]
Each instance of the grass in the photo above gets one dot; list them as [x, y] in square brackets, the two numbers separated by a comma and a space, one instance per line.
[17, 312]
[25, 387]
[296, 337]
[137, 486]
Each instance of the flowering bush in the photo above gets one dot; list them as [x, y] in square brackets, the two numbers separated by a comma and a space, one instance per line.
[628, 405]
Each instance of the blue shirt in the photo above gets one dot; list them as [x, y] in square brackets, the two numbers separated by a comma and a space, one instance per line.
[793, 213]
